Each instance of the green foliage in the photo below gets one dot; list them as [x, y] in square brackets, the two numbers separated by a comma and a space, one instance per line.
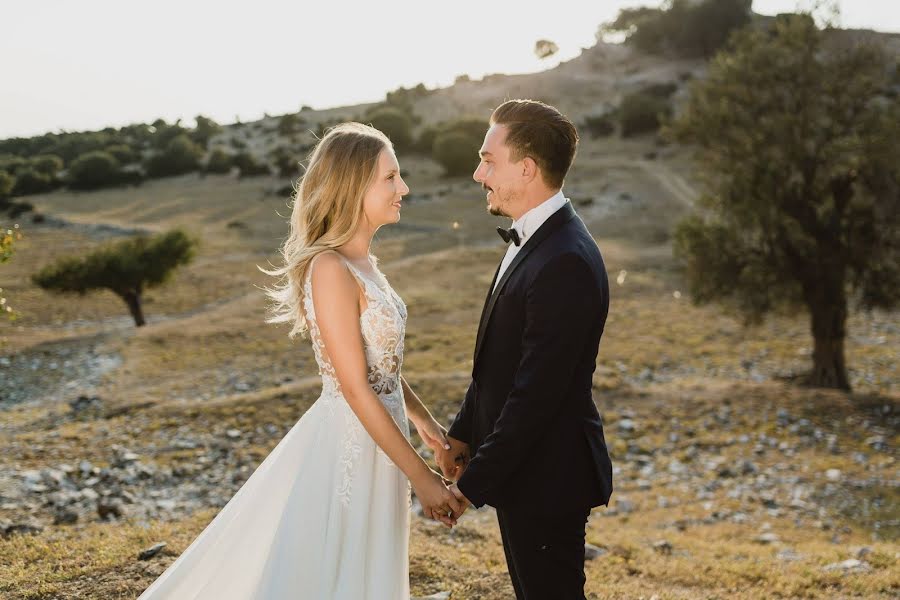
[683, 27]
[31, 181]
[803, 158]
[163, 133]
[545, 48]
[219, 161]
[205, 129]
[7, 183]
[290, 124]
[394, 123]
[122, 153]
[94, 170]
[641, 112]
[126, 267]
[249, 166]
[456, 151]
[47, 164]
[286, 162]
[181, 155]
[599, 125]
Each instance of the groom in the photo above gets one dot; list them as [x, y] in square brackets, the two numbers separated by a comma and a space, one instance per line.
[528, 439]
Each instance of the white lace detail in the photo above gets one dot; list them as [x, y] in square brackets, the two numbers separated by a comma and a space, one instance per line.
[383, 326]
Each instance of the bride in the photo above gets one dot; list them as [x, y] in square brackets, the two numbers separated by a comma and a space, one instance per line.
[326, 514]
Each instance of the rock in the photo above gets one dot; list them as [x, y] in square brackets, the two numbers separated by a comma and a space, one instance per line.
[767, 538]
[437, 596]
[851, 565]
[663, 547]
[82, 403]
[788, 555]
[863, 552]
[626, 425]
[151, 551]
[833, 474]
[8, 528]
[109, 507]
[65, 516]
[591, 551]
[233, 433]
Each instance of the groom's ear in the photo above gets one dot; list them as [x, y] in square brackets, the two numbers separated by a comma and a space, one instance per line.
[530, 169]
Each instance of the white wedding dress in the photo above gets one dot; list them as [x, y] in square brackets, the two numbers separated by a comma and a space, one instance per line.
[326, 515]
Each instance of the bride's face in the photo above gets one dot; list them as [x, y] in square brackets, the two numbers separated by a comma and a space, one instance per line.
[381, 203]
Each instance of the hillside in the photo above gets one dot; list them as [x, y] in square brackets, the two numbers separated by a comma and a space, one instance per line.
[731, 481]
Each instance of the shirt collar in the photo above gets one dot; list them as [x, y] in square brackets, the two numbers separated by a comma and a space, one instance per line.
[528, 223]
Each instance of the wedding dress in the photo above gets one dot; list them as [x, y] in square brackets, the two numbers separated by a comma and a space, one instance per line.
[325, 516]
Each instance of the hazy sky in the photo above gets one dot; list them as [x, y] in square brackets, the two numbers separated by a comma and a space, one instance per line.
[88, 64]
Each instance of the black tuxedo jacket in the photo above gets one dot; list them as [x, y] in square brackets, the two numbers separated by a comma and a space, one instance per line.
[534, 431]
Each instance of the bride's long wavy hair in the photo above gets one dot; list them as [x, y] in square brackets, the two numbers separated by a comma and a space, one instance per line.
[327, 210]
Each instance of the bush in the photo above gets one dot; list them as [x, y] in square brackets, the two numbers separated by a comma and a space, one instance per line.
[122, 153]
[394, 123]
[206, 128]
[30, 181]
[94, 170]
[47, 164]
[290, 124]
[456, 151]
[181, 155]
[641, 113]
[219, 161]
[7, 183]
[599, 125]
[249, 166]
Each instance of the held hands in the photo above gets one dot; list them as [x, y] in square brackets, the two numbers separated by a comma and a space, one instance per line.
[438, 501]
[453, 460]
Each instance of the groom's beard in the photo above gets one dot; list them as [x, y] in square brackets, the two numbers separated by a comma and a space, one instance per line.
[496, 209]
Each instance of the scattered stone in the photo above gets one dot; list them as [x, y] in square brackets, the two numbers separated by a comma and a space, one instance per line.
[109, 507]
[65, 516]
[591, 551]
[663, 547]
[626, 425]
[8, 528]
[851, 565]
[151, 551]
[437, 596]
[233, 434]
[767, 538]
[833, 474]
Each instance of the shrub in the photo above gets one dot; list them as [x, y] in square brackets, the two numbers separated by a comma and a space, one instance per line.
[249, 166]
[599, 125]
[641, 113]
[47, 164]
[94, 170]
[30, 181]
[7, 183]
[219, 161]
[456, 151]
[122, 153]
[181, 155]
[394, 123]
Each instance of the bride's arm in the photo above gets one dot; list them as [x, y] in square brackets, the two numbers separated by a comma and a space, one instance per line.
[335, 300]
[431, 431]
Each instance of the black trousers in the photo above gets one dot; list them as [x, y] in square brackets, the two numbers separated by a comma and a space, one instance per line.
[545, 553]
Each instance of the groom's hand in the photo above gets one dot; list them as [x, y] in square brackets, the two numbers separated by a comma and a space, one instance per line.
[455, 460]
[463, 501]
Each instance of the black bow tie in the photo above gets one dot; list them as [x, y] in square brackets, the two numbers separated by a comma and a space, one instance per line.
[509, 234]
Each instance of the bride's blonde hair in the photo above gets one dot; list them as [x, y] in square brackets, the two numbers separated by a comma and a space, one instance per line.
[327, 210]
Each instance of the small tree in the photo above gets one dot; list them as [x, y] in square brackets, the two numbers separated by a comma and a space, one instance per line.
[126, 268]
[219, 161]
[802, 150]
[394, 123]
[7, 183]
[94, 170]
[457, 152]
[641, 112]
[545, 49]
[205, 129]
[180, 156]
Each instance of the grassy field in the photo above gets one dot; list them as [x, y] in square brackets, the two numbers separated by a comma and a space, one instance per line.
[725, 482]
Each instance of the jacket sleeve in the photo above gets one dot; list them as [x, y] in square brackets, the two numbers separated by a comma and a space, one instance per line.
[560, 305]
[461, 428]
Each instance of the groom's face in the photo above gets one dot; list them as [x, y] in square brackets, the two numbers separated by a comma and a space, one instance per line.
[499, 177]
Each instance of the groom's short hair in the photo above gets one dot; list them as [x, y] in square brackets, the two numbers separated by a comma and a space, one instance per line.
[539, 131]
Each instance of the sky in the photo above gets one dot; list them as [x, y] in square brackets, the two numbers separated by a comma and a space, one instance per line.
[88, 64]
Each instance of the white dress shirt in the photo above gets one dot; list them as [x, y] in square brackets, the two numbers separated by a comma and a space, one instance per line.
[527, 224]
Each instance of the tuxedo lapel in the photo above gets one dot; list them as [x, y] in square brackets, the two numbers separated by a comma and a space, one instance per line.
[556, 220]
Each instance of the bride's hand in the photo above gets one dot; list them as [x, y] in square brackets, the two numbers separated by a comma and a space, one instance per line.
[437, 501]
[433, 434]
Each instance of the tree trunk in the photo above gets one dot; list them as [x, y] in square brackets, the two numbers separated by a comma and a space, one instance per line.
[828, 309]
[133, 299]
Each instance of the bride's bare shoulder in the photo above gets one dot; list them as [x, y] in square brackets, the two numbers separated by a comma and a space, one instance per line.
[331, 278]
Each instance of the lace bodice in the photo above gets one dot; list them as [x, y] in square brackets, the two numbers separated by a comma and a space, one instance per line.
[383, 325]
